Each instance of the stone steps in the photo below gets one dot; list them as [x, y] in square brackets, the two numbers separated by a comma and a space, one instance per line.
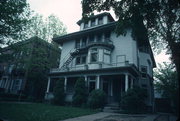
[112, 108]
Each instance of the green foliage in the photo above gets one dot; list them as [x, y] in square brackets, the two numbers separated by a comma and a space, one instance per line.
[45, 28]
[80, 96]
[59, 95]
[97, 99]
[133, 100]
[166, 82]
[40, 112]
[14, 17]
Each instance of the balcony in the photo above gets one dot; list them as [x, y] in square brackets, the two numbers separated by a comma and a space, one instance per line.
[84, 48]
[90, 67]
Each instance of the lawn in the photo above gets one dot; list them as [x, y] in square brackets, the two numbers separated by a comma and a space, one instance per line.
[40, 112]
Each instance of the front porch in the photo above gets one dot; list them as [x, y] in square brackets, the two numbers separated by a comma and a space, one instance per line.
[112, 84]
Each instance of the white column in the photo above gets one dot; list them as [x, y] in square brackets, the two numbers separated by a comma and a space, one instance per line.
[86, 81]
[49, 81]
[126, 82]
[65, 83]
[98, 82]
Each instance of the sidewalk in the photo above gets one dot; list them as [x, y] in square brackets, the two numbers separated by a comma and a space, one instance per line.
[103, 116]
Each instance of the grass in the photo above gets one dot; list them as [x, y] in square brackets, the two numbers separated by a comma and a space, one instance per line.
[40, 112]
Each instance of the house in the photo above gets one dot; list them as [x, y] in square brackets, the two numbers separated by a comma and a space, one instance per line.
[17, 59]
[106, 61]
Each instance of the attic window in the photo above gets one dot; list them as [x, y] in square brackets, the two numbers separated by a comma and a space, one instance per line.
[93, 22]
[86, 25]
[100, 21]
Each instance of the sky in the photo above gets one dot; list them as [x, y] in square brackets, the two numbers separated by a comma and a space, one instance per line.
[69, 12]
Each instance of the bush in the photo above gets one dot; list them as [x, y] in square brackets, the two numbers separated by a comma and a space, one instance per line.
[97, 99]
[80, 96]
[59, 95]
[133, 100]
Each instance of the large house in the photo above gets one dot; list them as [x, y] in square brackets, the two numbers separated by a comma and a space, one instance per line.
[17, 59]
[106, 61]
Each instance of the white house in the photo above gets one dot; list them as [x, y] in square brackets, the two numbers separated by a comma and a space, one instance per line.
[106, 61]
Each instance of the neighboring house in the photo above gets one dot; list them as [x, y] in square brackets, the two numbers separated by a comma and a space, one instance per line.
[106, 61]
[15, 61]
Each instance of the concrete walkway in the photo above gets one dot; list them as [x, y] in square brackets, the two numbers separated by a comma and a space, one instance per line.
[103, 116]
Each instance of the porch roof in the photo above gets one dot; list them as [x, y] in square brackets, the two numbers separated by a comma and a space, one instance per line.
[105, 71]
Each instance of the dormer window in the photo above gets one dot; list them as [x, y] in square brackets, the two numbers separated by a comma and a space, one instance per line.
[93, 22]
[86, 25]
[100, 21]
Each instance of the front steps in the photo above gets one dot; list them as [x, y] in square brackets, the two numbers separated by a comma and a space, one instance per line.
[112, 108]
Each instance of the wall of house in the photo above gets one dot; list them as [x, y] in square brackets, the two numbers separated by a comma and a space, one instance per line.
[67, 47]
[125, 49]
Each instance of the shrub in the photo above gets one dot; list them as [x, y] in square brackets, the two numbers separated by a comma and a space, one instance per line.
[133, 100]
[58, 92]
[80, 96]
[97, 99]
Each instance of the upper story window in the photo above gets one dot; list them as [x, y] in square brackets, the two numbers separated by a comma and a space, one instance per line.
[107, 56]
[144, 49]
[77, 44]
[93, 22]
[84, 42]
[99, 38]
[100, 21]
[143, 71]
[86, 24]
[94, 55]
[81, 59]
[107, 36]
[91, 39]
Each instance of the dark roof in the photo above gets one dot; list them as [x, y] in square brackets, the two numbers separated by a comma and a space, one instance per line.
[96, 16]
[97, 29]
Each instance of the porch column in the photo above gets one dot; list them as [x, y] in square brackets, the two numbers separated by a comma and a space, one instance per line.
[126, 82]
[98, 82]
[65, 83]
[86, 81]
[49, 81]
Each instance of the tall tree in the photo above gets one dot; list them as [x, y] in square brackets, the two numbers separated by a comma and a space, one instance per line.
[158, 19]
[44, 28]
[166, 82]
[14, 16]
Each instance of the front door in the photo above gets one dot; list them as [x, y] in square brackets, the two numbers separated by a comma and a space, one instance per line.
[116, 90]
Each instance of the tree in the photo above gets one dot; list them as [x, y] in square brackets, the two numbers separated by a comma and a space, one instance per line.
[158, 19]
[14, 16]
[166, 82]
[58, 92]
[44, 28]
[80, 95]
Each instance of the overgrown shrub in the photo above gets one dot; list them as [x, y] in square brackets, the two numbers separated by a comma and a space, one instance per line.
[58, 92]
[133, 100]
[80, 96]
[97, 99]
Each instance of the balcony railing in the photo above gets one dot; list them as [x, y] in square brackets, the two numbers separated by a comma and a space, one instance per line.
[90, 67]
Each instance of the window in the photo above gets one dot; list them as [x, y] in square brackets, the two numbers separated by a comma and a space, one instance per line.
[94, 55]
[93, 22]
[100, 21]
[86, 25]
[77, 43]
[84, 42]
[91, 39]
[107, 57]
[78, 60]
[143, 71]
[81, 59]
[92, 86]
[107, 36]
[17, 84]
[99, 38]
